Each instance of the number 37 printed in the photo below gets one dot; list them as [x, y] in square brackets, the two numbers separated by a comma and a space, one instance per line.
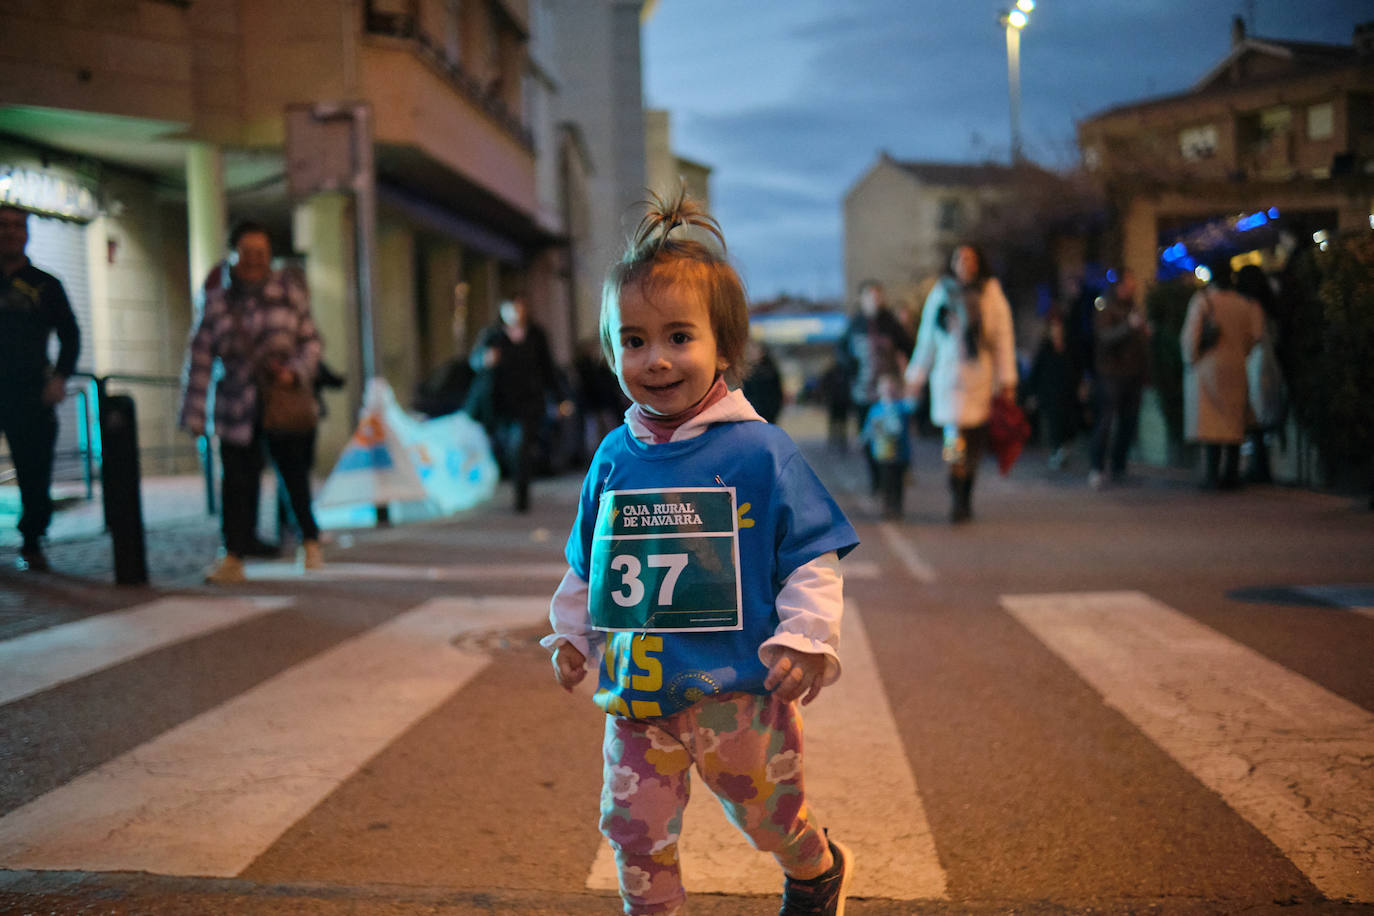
[631, 591]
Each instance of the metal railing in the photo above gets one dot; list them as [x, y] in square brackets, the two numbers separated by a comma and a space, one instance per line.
[163, 447]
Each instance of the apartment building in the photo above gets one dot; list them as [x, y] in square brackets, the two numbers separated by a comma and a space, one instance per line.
[138, 131]
[902, 219]
[1274, 144]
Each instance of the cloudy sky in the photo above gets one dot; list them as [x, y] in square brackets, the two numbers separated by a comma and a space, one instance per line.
[791, 101]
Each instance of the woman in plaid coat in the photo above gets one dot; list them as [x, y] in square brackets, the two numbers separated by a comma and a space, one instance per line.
[255, 322]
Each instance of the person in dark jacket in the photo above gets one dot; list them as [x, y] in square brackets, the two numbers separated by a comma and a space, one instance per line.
[33, 306]
[509, 396]
[1120, 364]
[1052, 389]
[763, 385]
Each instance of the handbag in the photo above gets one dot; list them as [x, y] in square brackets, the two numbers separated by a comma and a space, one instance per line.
[1008, 430]
[287, 407]
[1210, 333]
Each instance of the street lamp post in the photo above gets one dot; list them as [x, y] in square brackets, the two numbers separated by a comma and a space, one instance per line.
[1014, 20]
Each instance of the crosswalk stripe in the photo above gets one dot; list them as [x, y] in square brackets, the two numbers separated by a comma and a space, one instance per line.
[210, 795]
[43, 659]
[849, 731]
[920, 570]
[406, 572]
[1286, 754]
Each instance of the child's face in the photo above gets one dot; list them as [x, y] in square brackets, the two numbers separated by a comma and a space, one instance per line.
[665, 349]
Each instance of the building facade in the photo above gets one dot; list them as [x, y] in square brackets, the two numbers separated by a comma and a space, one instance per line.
[902, 219]
[1275, 140]
[139, 131]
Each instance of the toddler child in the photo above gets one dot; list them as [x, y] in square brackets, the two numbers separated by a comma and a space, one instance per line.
[885, 435]
[704, 582]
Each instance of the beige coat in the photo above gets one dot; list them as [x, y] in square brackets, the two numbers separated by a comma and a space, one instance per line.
[1215, 389]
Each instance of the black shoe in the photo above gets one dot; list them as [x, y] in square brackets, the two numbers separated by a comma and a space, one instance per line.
[823, 895]
[32, 559]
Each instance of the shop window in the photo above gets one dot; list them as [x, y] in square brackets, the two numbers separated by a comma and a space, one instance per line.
[453, 36]
[1321, 121]
[391, 17]
[951, 214]
[1198, 143]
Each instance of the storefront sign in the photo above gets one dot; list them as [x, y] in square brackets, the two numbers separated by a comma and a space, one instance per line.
[46, 193]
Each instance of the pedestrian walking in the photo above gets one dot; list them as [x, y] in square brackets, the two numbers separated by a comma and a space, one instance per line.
[33, 307]
[1121, 360]
[1052, 389]
[887, 436]
[1264, 376]
[509, 396]
[716, 625]
[256, 324]
[966, 353]
[763, 385]
[1218, 332]
[874, 342]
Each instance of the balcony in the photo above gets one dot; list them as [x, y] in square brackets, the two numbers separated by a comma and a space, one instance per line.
[405, 26]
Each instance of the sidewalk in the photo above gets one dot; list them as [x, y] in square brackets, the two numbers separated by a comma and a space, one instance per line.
[182, 539]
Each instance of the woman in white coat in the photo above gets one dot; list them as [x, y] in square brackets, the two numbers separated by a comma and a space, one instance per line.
[1215, 387]
[965, 351]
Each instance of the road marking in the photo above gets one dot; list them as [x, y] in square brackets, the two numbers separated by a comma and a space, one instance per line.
[858, 783]
[920, 570]
[1289, 756]
[43, 659]
[209, 796]
[1357, 598]
[409, 572]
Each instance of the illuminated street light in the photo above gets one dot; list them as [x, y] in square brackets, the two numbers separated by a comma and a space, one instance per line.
[1014, 20]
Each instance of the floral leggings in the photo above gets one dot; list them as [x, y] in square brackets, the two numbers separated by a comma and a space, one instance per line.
[747, 749]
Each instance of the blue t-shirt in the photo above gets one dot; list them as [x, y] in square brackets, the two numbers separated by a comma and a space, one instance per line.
[786, 520]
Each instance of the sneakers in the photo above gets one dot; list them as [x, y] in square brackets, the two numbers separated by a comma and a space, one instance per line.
[823, 895]
[32, 559]
[1096, 480]
[228, 571]
[314, 555]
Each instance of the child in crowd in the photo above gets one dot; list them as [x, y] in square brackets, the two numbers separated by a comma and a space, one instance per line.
[885, 435]
[705, 568]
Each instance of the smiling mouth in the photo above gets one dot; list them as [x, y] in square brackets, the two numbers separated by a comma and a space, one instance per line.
[661, 388]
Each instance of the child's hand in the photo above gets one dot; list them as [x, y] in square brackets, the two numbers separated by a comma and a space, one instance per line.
[796, 675]
[569, 665]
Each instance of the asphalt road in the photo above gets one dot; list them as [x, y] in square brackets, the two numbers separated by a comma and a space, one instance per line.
[1147, 699]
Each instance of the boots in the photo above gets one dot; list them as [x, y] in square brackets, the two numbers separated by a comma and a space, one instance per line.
[961, 505]
[228, 571]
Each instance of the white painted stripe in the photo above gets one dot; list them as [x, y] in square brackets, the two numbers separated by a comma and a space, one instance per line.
[43, 659]
[407, 572]
[920, 570]
[858, 783]
[209, 796]
[1289, 756]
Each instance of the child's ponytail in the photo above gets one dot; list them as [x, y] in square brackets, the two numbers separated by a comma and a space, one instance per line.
[663, 215]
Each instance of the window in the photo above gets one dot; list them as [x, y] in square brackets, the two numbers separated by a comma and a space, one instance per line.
[951, 214]
[1197, 143]
[1321, 121]
[453, 36]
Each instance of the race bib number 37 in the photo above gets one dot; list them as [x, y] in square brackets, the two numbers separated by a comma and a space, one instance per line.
[666, 561]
